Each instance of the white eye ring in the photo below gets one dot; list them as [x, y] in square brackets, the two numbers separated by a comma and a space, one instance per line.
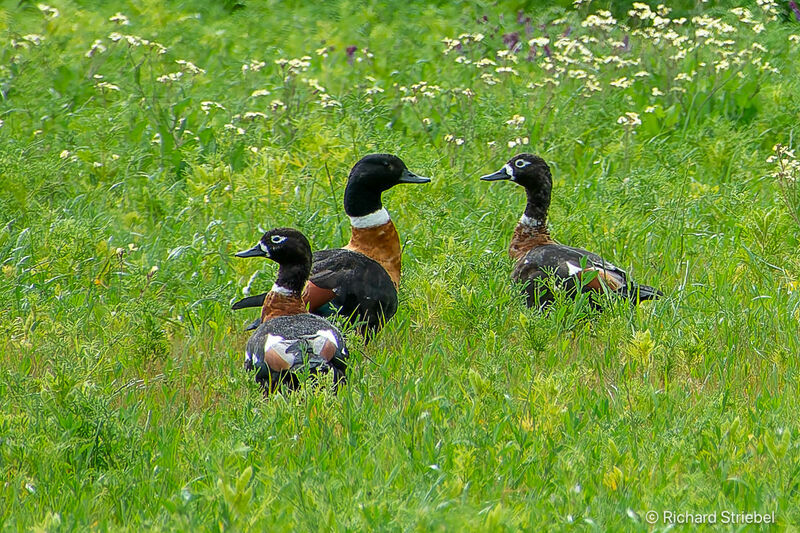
[277, 239]
[521, 163]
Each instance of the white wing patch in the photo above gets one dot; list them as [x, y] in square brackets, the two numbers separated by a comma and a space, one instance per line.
[324, 344]
[279, 345]
[573, 269]
[328, 334]
[283, 354]
[271, 341]
[608, 266]
[276, 352]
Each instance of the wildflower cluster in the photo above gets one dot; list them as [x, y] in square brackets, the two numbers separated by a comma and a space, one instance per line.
[786, 172]
[630, 120]
[48, 11]
[418, 90]
[254, 65]
[135, 41]
[103, 85]
[602, 53]
[293, 67]
[787, 166]
[187, 67]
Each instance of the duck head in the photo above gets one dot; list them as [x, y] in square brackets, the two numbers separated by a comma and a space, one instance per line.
[291, 250]
[370, 177]
[533, 173]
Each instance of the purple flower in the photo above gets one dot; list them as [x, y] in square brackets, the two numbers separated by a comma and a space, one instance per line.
[528, 29]
[511, 40]
[547, 51]
[567, 31]
[351, 52]
[521, 18]
[795, 9]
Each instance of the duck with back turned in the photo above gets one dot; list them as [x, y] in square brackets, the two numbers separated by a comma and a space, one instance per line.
[290, 340]
[539, 257]
[360, 280]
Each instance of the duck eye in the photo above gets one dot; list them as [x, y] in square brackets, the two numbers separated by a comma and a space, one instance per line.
[277, 239]
[520, 163]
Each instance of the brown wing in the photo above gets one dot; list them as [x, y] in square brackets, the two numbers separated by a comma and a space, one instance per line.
[612, 280]
[315, 296]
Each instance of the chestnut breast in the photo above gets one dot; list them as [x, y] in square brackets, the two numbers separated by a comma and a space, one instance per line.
[526, 238]
[276, 304]
[381, 243]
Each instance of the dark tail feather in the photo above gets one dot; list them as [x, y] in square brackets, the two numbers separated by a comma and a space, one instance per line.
[250, 301]
[639, 293]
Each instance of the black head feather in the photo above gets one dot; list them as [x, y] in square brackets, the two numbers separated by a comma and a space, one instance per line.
[291, 250]
[533, 173]
[370, 177]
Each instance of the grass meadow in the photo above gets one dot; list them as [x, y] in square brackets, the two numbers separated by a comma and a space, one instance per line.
[143, 143]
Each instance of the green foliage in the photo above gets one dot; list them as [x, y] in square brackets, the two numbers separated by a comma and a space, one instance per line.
[142, 143]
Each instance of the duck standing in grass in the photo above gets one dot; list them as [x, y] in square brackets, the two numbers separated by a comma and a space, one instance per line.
[289, 340]
[360, 280]
[539, 257]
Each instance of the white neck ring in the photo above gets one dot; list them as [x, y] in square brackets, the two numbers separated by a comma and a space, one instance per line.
[283, 291]
[377, 218]
[525, 220]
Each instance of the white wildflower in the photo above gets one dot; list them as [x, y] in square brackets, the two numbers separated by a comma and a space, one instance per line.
[105, 86]
[48, 11]
[630, 120]
[622, 83]
[208, 105]
[171, 77]
[252, 115]
[516, 120]
[96, 48]
[120, 19]
[189, 67]
[234, 128]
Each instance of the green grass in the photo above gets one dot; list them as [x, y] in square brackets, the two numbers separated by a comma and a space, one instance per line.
[123, 403]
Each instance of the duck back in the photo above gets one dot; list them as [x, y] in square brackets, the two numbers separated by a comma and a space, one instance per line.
[284, 345]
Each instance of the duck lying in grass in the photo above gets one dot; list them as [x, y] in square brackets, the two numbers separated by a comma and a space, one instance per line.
[289, 340]
[360, 280]
[540, 258]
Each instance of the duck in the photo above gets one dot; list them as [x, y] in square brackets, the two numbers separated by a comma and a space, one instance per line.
[290, 340]
[539, 258]
[360, 280]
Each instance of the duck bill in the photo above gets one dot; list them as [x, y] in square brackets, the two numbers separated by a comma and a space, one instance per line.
[255, 251]
[410, 177]
[504, 173]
